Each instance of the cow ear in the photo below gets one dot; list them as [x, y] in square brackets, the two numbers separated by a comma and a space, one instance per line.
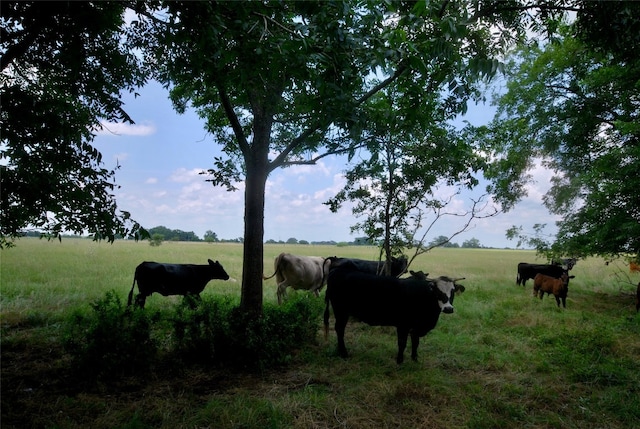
[460, 289]
[210, 262]
[572, 277]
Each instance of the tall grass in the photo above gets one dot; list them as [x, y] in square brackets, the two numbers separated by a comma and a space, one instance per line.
[503, 359]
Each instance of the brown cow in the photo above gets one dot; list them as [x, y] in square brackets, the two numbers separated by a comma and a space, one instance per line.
[558, 287]
[634, 267]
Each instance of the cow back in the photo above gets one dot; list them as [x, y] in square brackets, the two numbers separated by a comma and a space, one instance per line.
[303, 272]
[382, 300]
[530, 270]
[398, 265]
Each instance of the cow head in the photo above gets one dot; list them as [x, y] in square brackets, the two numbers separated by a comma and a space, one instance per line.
[446, 289]
[399, 265]
[565, 278]
[418, 275]
[217, 271]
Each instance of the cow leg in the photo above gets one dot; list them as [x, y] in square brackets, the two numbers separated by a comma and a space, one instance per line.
[140, 300]
[341, 324]
[282, 291]
[402, 343]
[415, 342]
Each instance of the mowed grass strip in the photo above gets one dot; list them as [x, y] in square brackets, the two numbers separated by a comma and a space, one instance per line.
[503, 359]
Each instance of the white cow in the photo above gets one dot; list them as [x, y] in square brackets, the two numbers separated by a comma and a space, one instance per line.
[299, 272]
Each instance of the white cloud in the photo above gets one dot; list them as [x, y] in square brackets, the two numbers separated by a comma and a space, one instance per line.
[182, 175]
[124, 129]
[151, 181]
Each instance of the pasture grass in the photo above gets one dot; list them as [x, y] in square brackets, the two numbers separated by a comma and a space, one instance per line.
[503, 359]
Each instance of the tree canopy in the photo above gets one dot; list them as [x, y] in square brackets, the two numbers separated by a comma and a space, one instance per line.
[575, 104]
[62, 69]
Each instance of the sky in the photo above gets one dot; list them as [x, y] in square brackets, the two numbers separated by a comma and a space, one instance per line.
[161, 156]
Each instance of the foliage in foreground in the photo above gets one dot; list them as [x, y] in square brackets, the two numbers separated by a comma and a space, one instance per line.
[113, 340]
[110, 341]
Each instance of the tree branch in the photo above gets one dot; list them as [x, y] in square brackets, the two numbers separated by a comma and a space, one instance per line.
[474, 213]
[268, 18]
[280, 160]
[235, 122]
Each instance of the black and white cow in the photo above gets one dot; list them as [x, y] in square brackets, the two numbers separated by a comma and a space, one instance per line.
[299, 272]
[413, 305]
[566, 263]
[398, 265]
[173, 279]
[528, 271]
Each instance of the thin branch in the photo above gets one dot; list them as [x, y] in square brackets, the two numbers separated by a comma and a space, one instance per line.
[268, 18]
[474, 213]
[402, 68]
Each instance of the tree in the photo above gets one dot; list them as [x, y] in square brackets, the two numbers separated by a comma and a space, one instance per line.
[574, 103]
[412, 151]
[441, 241]
[472, 243]
[156, 239]
[285, 83]
[63, 66]
[211, 237]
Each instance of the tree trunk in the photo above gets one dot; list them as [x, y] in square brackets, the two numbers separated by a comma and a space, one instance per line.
[253, 253]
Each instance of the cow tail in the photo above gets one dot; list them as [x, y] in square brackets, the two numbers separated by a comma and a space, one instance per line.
[267, 278]
[131, 291]
[324, 264]
[277, 266]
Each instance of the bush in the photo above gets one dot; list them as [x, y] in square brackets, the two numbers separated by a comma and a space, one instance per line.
[112, 341]
[216, 331]
[156, 240]
[197, 327]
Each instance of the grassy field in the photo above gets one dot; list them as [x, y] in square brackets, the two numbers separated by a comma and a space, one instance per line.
[503, 359]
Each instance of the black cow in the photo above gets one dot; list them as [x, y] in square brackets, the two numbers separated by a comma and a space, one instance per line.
[528, 271]
[398, 265]
[413, 305]
[173, 279]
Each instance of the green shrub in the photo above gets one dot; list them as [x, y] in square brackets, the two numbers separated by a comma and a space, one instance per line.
[218, 332]
[111, 341]
[196, 328]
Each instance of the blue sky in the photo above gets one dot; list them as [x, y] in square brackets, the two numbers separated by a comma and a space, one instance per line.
[161, 156]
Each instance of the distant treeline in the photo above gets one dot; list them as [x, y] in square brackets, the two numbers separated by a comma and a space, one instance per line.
[162, 233]
[360, 241]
